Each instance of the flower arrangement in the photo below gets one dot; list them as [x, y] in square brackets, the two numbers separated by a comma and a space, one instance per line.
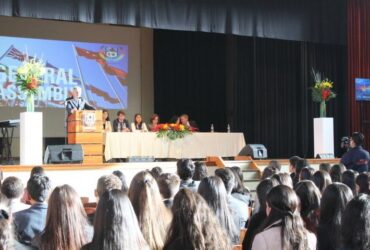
[28, 79]
[322, 92]
[172, 131]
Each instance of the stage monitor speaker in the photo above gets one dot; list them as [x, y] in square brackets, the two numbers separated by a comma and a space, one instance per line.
[256, 151]
[64, 154]
[325, 156]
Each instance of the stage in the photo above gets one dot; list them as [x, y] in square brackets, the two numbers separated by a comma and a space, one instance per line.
[83, 177]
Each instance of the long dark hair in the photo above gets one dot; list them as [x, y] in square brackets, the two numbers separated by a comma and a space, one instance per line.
[150, 210]
[321, 179]
[355, 229]
[284, 205]
[333, 202]
[213, 190]
[106, 111]
[138, 125]
[194, 225]
[66, 221]
[363, 182]
[239, 185]
[310, 197]
[349, 178]
[115, 224]
[200, 171]
[336, 172]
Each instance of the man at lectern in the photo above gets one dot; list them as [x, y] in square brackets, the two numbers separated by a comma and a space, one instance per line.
[76, 102]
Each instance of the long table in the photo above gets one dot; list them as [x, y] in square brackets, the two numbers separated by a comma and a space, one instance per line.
[196, 145]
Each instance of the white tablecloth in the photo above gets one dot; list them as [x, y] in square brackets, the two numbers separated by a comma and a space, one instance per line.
[196, 145]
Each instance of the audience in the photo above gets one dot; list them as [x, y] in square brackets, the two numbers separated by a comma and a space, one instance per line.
[239, 191]
[306, 174]
[66, 226]
[214, 193]
[274, 164]
[301, 163]
[325, 167]
[122, 178]
[321, 179]
[292, 165]
[156, 172]
[362, 184]
[257, 219]
[309, 196]
[185, 170]
[238, 208]
[116, 225]
[35, 170]
[283, 227]
[150, 210]
[333, 202]
[30, 222]
[200, 171]
[349, 178]
[355, 228]
[12, 188]
[356, 158]
[268, 172]
[283, 179]
[194, 225]
[336, 172]
[169, 185]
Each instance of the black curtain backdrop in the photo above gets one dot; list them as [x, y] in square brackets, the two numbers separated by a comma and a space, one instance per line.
[260, 86]
[301, 20]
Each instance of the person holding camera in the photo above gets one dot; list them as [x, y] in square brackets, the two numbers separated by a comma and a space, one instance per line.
[356, 158]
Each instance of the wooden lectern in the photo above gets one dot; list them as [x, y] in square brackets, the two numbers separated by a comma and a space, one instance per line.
[86, 128]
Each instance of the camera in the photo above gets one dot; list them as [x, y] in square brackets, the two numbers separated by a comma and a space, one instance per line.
[344, 143]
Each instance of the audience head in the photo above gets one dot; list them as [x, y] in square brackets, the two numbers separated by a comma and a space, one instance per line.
[37, 170]
[325, 167]
[357, 139]
[263, 189]
[149, 208]
[283, 204]
[268, 172]
[355, 229]
[336, 172]
[105, 115]
[349, 178]
[115, 224]
[194, 225]
[185, 169]
[293, 162]
[283, 179]
[107, 182]
[156, 172]
[214, 193]
[238, 185]
[169, 185]
[6, 230]
[301, 163]
[200, 171]
[38, 187]
[274, 164]
[12, 187]
[321, 179]
[227, 177]
[306, 173]
[362, 183]
[122, 178]
[66, 221]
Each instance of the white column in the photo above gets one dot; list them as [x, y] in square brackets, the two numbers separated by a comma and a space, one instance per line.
[323, 136]
[31, 138]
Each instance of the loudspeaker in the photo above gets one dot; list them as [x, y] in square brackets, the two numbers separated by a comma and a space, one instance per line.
[62, 154]
[257, 151]
[325, 156]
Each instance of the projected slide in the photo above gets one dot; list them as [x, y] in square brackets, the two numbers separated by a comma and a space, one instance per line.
[101, 71]
[362, 89]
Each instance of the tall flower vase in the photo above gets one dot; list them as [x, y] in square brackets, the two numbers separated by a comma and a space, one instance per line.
[30, 103]
[322, 109]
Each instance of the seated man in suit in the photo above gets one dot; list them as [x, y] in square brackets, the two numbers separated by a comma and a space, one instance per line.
[31, 221]
[76, 102]
[191, 125]
[121, 124]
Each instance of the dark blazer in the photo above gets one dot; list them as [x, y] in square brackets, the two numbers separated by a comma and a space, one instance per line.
[357, 159]
[30, 222]
[115, 124]
[80, 104]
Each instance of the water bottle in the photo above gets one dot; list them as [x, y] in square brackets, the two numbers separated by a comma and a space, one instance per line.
[228, 128]
[212, 128]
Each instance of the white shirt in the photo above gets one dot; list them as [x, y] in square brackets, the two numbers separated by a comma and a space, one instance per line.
[143, 127]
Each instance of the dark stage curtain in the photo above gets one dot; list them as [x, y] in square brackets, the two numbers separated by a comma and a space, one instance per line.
[301, 20]
[358, 64]
[260, 86]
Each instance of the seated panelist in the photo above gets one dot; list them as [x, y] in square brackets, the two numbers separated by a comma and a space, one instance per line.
[138, 125]
[76, 102]
[191, 125]
[121, 124]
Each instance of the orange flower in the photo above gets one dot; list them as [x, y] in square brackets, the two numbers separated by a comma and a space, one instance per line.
[165, 127]
[32, 84]
[181, 127]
